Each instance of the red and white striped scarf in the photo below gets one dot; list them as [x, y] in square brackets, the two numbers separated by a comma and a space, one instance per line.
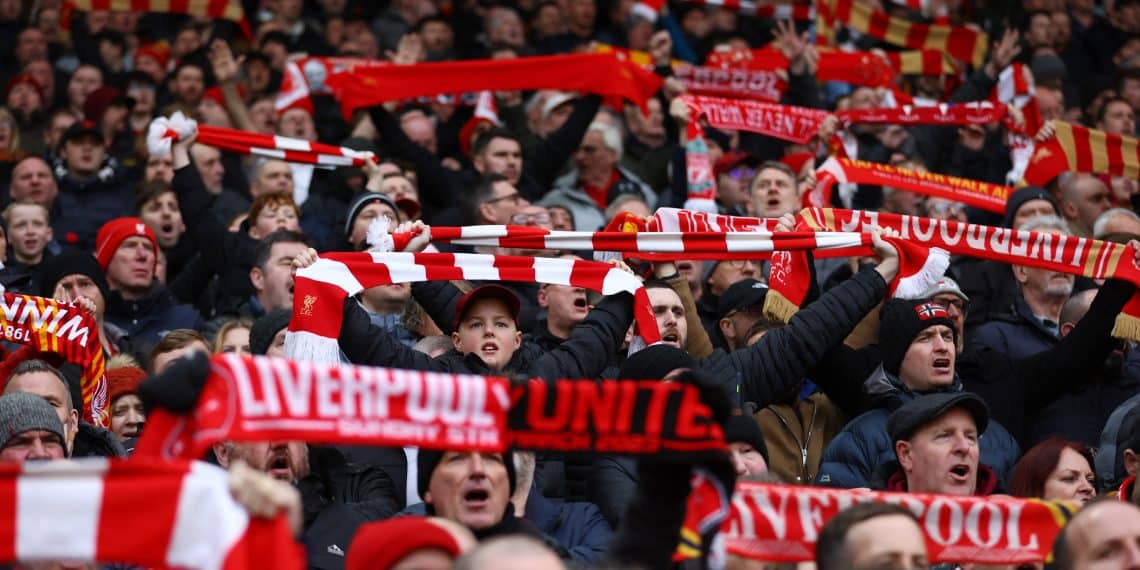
[164, 131]
[983, 195]
[319, 290]
[151, 513]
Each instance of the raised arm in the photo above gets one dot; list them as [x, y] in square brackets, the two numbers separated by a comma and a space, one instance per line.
[593, 343]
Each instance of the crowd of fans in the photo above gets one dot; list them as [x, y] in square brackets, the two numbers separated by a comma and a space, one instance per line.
[999, 380]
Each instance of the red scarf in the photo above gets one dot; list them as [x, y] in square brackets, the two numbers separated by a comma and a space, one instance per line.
[957, 41]
[1065, 254]
[319, 290]
[157, 514]
[786, 122]
[760, 85]
[599, 74]
[51, 326]
[274, 399]
[978, 113]
[213, 9]
[982, 195]
[781, 523]
[1080, 149]
[858, 68]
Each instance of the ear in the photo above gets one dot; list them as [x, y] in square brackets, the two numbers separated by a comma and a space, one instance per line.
[486, 212]
[1131, 462]
[73, 420]
[478, 162]
[1066, 328]
[222, 452]
[518, 339]
[726, 329]
[257, 279]
[1068, 210]
[902, 451]
[455, 340]
[543, 300]
[1019, 273]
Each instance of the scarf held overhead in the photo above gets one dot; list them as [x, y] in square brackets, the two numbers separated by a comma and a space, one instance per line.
[781, 523]
[982, 195]
[1079, 149]
[52, 326]
[959, 42]
[319, 290]
[1065, 254]
[88, 510]
[785, 122]
[599, 74]
[272, 399]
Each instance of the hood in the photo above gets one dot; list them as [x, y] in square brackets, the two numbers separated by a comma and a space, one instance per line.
[94, 441]
[885, 390]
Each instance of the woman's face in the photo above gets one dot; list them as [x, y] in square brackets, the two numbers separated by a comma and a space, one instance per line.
[236, 341]
[1071, 480]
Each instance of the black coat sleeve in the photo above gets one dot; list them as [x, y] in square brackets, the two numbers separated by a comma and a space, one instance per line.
[437, 184]
[774, 367]
[225, 248]
[552, 153]
[365, 343]
[438, 298]
[591, 346]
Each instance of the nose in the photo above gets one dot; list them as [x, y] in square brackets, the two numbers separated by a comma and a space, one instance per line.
[37, 450]
[135, 417]
[1132, 556]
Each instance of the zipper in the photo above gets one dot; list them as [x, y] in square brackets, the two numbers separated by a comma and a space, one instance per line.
[803, 448]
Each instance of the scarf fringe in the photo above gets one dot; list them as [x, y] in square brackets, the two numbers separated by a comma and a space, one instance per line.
[778, 307]
[304, 345]
[1126, 327]
[933, 269]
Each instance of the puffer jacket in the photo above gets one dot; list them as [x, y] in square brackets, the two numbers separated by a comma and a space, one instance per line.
[94, 441]
[852, 457]
[1017, 335]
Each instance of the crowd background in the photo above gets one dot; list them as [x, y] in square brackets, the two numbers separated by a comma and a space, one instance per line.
[196, 250]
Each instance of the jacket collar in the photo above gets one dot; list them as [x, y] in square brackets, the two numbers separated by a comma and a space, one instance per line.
[987, 483]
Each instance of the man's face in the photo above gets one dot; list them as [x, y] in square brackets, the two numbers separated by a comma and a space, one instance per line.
[774, 194]
[31, 45]
[505, 203]
[420, 129]
[127, 417]
[1044, 282]
[1051, 103]
[1119, 119]
[283, 460]
[297, 123]
[471, 489]
[49, 387]
[188, 84]
[1130, 89]
[83, 154]
[502, 156]
[44, 74]
[593, 156]
[164, 218]
[60, 122]
[76, 285]
[31, 445]
[488, 330]
[24, 98]
[399, 188]
[888, 541]
[581, 14]
[729, 272]
[1106, 537]
[732, 188]
[437, 36]
[746, 460]
[274, 217]
[367, 214]
[159, 167]
[670, 314]
[564, 304]
[85, 80]
[132, 266]
[163, 359]
[1040, 32]
[264, 116]
[734, 326]
[143, 94]
[557, 117]
[942, 456]
[209, 163]
[28, 232]
[1032, 209]
[274, 284]
[929, 360]
[151, 67]
[273, 176]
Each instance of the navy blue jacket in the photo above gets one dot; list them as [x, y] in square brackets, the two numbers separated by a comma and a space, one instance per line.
[579, 527]
[1017, 336]
[851, 458]
[151, 317]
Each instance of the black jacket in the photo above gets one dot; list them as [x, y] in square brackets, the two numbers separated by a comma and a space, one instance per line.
[337, 497]
[584, 355]
[94, 441]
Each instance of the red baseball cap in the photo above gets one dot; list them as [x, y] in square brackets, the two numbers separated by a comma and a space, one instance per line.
[488, 292]
[385, 543]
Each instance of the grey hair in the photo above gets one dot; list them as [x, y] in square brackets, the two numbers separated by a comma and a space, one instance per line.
[611, 136]
[1103, 219]
[486, 553]
[1046, 221]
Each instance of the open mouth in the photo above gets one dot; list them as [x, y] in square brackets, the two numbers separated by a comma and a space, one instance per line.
[167, 228]
[476, 498]
[942, 365]
[960, 471]
[489, 347]
[671, 338]
[684, 266]
[580, 303]
[773, 202]
[279, 468]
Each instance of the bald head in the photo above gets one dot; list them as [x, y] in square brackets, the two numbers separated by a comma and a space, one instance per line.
[1106, 532]
[511, 553]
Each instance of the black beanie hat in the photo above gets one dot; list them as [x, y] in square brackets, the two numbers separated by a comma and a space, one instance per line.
[428, 459]
[900, 321]
[1020, 197]
[744, 429]
[55, 268]
[265, 328]
[655, 362]
[363, 199]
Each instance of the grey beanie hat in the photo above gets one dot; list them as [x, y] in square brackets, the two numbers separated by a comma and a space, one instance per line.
[21, 412]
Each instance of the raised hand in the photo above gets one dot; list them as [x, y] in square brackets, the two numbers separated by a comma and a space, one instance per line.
[223, 62]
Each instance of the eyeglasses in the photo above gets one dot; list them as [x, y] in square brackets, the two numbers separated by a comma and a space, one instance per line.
[516, 198]
[955, 302]
[742, 173]
[739, 263]
[527, 219]
[944, 207]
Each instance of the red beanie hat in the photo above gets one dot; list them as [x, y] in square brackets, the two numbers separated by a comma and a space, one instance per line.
[123, 381]
[115, 232]
[382, 544]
